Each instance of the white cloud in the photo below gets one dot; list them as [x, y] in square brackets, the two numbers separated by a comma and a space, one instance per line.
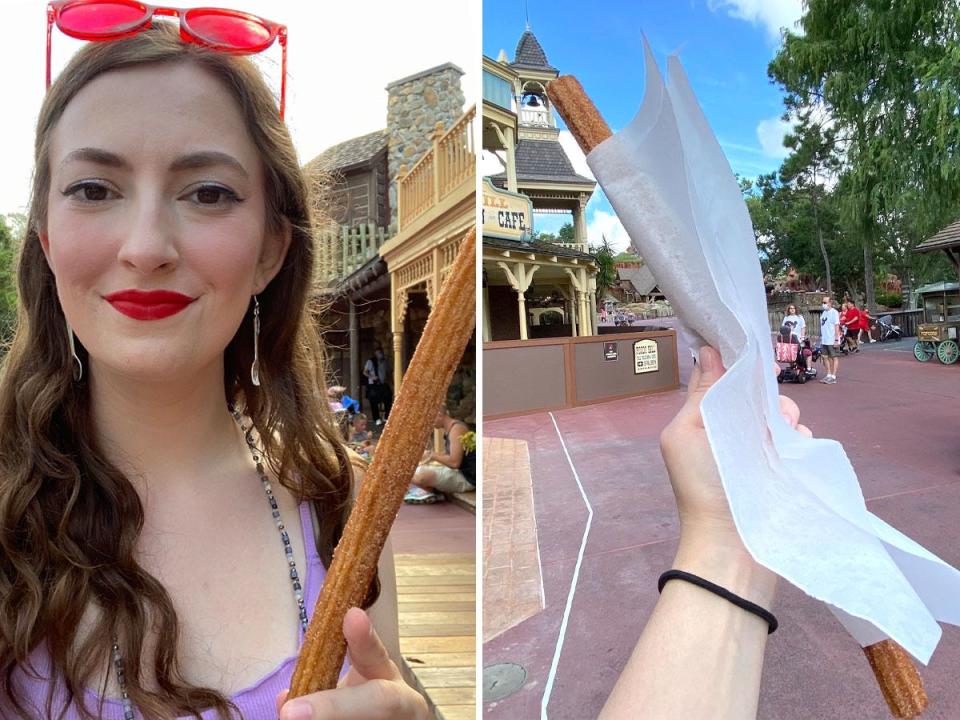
[340, 58]
[603, 223]
[577, 158]
[770, 133]
[607, 225]
[772, 15]
[489, 164]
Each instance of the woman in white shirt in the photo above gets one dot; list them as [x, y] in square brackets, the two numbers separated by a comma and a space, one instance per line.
[796, 322]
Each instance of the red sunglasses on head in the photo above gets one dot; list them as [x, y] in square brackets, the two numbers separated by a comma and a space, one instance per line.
[229, 31]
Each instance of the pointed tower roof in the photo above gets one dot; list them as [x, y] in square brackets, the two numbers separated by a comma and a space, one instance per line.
[530, 54]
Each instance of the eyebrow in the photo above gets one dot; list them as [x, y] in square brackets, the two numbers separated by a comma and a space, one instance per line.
[191, 161]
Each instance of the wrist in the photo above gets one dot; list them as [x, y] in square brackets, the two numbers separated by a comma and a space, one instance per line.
[721, 558]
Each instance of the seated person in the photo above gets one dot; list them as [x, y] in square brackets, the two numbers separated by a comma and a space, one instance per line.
[441, 473]
[360, 439]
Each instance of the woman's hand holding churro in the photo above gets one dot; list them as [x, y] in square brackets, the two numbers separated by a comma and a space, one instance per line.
[688, 639]
[899, 680]
[372, 688]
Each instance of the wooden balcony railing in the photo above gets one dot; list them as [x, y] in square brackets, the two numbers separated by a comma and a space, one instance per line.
[346, 249]
[581, 246]
[450, 161]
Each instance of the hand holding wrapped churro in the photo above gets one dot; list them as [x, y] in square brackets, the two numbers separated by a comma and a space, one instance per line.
[673, 220]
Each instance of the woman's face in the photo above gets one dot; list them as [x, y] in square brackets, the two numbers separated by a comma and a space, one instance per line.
[791, 310]
[156, 187]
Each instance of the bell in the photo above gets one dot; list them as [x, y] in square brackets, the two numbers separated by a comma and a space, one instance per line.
[534, 101]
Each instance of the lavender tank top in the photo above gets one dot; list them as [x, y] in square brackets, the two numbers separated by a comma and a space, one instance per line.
[254, 702]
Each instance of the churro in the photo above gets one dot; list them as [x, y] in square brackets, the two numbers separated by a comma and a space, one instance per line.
[424, 388]
[579, 113]
[896, 674]
[899, 680]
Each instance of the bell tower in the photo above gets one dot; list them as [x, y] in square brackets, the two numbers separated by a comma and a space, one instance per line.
[536, 119]
[543, 169]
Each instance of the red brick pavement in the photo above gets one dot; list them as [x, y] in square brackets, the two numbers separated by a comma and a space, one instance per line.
[512, 585]
[898, 420]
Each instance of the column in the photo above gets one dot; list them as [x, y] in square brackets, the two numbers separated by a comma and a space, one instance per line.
[580, 220]
[487, 334]
[571, 315]
[522, 306]
[397, 362]
[581, 328]
[354, 321]
[398, 310]
[585, 299]
[592, 296]
[577, 301]
[511, 159]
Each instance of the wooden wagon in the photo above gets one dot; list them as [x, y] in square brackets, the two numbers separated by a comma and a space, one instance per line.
[938, 339]
[939, 334]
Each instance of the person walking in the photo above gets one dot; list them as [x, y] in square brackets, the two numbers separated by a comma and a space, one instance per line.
[385, 395]
[850, 326]
[830, 339]
[371, 371]
[865, 319]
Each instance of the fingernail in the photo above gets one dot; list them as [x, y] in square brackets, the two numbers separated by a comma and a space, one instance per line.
[297, 710]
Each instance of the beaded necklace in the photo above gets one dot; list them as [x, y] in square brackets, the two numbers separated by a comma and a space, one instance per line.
[128, 713]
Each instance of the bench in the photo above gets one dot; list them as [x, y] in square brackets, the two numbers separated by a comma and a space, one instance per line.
[467, 500]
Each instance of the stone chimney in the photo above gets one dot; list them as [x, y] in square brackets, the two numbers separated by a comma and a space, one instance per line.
[415, 106]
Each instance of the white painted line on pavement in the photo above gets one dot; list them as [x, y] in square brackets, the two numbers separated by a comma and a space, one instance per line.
[573, 583]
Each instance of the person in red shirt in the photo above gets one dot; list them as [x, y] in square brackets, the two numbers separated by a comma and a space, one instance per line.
[865, 318]
[850, 320]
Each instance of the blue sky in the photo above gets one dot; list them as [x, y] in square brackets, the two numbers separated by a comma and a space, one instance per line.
[725, 46]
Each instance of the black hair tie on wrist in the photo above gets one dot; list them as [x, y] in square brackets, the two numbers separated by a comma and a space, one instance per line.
[722, 592]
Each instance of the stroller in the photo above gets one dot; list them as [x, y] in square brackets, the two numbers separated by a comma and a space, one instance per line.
[796, 359]
[888, 331]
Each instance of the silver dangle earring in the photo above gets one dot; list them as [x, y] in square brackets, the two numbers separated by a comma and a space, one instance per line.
[255, 368]
[77, 365]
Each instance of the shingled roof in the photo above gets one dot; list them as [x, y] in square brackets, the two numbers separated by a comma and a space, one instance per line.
[544, 248]
[543, 161]
[641, 278]
[529, 54]
[350, 153]
[947, 238]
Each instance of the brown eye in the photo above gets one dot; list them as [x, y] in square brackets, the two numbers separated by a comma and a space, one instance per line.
[90, 192]
[209, 195]
[94, 192]
[213, 195]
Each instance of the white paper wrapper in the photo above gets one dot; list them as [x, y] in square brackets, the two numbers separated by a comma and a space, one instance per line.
[796, 501]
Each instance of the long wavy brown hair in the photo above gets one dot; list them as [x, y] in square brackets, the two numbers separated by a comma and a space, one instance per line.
[69, 519]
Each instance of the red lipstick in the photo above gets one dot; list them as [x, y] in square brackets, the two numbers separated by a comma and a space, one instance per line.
[148, 304]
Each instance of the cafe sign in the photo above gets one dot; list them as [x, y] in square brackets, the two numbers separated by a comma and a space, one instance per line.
[645, 357]
[506, 215]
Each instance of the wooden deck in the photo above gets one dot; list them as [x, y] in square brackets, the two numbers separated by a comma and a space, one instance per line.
[437, 603]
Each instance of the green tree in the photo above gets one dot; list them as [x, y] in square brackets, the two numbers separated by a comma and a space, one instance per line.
[885, 76]
[607, 274]
[814, 159]
[10, 239]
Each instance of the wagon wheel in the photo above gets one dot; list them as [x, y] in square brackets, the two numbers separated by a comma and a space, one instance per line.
[924, 350]
[948, 352]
